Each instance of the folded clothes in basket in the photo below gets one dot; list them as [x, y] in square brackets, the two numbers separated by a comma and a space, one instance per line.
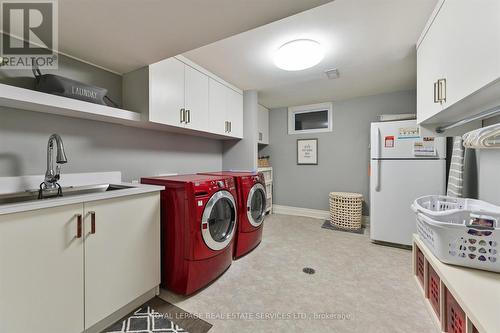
[458, 231]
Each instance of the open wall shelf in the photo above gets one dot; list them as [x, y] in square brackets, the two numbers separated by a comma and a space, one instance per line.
[31, 100]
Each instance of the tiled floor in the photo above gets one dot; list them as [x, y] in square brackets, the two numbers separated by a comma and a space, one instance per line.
[372, 284]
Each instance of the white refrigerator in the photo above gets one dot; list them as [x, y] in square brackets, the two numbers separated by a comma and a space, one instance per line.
[404, 166]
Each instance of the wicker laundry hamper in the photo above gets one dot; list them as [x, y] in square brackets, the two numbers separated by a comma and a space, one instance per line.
[346, 210]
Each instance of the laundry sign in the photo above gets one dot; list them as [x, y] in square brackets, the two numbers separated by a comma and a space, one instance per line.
[307, 151]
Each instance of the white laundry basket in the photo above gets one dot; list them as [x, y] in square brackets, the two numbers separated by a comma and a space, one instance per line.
[458, 231]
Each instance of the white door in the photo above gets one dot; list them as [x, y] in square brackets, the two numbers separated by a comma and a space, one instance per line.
[394, 185]
[235, 113]
[41, 271]
[196, 99]
[166, 99]
[217, 94]
[122, 255]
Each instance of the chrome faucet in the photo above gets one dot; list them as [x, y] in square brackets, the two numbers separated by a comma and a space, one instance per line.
[51, 177]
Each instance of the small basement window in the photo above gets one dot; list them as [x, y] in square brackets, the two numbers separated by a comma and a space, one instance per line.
[313, 118]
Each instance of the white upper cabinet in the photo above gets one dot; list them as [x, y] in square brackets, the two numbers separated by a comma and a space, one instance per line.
[178, 93]
[234, 113]
[263, 125]
[457, 55]
[196, 99]
[225, 110]
[217, 106]
[166, 95]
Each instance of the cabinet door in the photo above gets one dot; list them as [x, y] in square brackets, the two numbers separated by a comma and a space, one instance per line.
[122, 257]
[263, 125]
[235, 113]
[472, 46]
[196, 99]
[217, 93]
[166, 89]
[41, 271]
[430, 61]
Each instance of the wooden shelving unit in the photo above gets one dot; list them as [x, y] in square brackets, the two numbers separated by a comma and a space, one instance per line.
[268, 177]
[476, 292]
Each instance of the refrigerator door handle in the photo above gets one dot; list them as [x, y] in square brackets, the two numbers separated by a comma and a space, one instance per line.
[379, 153]
[377, 175]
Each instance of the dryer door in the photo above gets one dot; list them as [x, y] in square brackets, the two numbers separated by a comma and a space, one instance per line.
[218, 222]
[256, 205]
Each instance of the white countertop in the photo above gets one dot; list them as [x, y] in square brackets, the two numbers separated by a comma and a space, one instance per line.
[83, 179]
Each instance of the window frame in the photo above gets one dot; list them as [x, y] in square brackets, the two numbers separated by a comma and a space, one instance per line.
[293, 110]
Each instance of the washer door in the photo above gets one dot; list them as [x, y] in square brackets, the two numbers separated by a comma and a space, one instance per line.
[256, 205]
[219, 220]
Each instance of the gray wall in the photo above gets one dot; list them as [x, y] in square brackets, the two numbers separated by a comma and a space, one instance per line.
[343, 155]
[96, 146]
[242, 154]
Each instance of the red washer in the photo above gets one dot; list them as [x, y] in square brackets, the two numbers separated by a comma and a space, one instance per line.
[198, 224]
[252, 209]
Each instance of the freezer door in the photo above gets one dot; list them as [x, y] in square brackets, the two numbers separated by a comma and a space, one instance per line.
[397, 140]
[394, 185]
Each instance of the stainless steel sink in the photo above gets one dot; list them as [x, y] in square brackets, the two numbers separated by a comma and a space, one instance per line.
[70, 191]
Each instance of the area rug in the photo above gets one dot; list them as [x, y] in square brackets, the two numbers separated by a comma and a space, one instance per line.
[157, 315]
[328, 225]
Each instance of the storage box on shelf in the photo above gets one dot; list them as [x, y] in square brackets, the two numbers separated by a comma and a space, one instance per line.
[447, 53]
[463, 300]
[268, 178]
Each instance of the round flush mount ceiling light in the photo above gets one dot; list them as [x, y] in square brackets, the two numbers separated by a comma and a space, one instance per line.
[298, 54]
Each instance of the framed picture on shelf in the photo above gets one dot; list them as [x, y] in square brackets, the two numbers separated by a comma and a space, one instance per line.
[307, 151]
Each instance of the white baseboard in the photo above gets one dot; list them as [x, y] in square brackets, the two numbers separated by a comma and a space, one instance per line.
[307, 212]
[299, 211]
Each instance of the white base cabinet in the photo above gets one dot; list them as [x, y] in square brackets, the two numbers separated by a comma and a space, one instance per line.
[55, 278]
[41, 271]
[122, 257]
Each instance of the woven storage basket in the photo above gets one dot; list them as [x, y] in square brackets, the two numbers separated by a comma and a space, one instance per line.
[346, 210]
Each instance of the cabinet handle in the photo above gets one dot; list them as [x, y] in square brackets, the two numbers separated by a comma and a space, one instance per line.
[92, 222]
[442, 90]
[183, 116]
[225, 126]
[188, 118]
[78, 226]
[230, 126]
[260, 136]
[436, 100]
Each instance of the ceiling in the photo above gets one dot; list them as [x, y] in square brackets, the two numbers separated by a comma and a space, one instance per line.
[371, 42]
[123, 35]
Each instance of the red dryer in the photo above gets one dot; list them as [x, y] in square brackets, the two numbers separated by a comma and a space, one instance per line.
[251, 207]
[198, 224]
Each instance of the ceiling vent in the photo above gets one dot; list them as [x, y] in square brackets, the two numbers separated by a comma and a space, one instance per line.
[332, 73]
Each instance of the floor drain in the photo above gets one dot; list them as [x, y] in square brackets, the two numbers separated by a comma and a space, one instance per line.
[308, 270]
